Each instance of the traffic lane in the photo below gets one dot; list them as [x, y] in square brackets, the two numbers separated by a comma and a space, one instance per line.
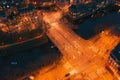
[58, 72]
[61, 43]
[70, 37]
[68, 50]
[75, 55]
[78, 43]
[72, 48]
[106, 43]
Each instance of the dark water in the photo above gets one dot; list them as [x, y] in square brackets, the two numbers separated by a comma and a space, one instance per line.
[27, 62]
[93, 26]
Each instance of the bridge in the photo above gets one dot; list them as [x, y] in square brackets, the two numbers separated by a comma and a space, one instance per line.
[69, 43]
[79, 55]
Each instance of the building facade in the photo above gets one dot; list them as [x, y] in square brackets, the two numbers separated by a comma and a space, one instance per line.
[114, 61]
[83, 8]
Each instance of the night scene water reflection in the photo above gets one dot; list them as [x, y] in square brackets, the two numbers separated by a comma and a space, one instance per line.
[59, 39]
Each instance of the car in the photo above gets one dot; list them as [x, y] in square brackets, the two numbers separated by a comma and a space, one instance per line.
[68, 74]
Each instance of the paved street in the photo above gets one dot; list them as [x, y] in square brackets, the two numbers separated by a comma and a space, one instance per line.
[79, 54]
[82, 59]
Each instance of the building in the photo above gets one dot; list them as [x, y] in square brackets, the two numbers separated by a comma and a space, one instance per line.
[39, 3]
[118, 2]
[83, 8]
[114, 61]
[104, 3]
[2, 14]
[12, 7]
[79, 11]
[21, 33]
[76, 2]
[60, 2]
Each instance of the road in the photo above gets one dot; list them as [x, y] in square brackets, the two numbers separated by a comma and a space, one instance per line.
[105, 42]
[79, 56]
[66, 40]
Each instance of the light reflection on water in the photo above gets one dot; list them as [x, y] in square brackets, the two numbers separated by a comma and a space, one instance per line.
[28, 61]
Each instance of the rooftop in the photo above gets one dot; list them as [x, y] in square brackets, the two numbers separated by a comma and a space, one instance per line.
[82, 7]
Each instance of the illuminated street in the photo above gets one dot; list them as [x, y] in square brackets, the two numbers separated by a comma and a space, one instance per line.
[50, 40]
[75, 57]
